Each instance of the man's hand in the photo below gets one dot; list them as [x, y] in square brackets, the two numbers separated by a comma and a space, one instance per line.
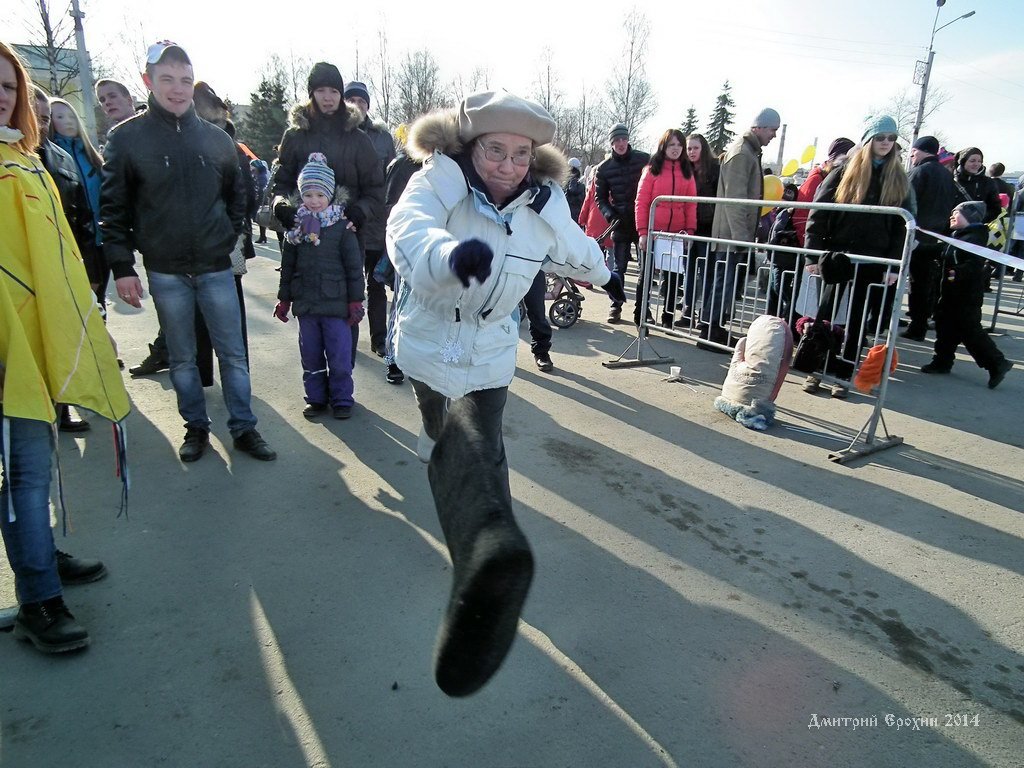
[129, 289]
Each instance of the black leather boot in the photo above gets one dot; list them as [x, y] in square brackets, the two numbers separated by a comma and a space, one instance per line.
[491, 559]
[50, 627]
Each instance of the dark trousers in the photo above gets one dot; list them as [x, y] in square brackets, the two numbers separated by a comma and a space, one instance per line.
[376, 301]
[868, 305]
[540, 328]
[958, 319]
[924, 284]
[620, 253]
[324, 347]
[454, 471]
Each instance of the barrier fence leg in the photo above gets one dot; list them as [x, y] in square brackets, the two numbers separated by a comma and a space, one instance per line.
[641, 340]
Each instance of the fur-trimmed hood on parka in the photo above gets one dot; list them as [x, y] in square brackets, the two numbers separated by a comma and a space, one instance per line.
[300, 113]
[439, 132]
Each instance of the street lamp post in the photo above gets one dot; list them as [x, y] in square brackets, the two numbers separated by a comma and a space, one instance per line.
[928, 64]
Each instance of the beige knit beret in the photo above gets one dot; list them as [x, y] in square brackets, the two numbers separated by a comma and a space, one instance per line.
[501, 112]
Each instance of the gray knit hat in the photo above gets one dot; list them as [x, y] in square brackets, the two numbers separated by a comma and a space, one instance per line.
[767, 118]
[501, 112]
[618, 131]
[972, 210]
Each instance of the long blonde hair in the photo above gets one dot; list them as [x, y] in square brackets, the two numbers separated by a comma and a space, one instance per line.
[853, 187]
[23, 117]
[90, 150]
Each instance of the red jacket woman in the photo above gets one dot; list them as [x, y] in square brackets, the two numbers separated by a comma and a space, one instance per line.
[591, 219]
[669, 173]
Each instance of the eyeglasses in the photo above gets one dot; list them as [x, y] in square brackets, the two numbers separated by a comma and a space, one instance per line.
[885, 137]
[497, 155]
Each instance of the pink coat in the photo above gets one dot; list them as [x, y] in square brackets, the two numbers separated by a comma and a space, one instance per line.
[668, 217]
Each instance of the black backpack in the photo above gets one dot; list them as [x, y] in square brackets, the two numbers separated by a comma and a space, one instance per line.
[783, 232]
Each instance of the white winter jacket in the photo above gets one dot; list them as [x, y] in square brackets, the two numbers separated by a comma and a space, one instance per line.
[459, 340]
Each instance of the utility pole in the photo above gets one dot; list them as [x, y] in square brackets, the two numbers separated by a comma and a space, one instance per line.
[928, 66]
[84, 71]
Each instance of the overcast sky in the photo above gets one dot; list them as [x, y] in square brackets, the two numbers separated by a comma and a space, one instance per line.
[822, 65]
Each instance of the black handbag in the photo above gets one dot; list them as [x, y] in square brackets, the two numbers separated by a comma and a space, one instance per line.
[818, 341]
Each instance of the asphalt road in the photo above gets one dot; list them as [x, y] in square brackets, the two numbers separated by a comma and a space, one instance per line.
[705, 595]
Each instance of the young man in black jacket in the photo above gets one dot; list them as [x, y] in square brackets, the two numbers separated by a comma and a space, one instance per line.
[172, 190]
[936, 195]
[617, 180]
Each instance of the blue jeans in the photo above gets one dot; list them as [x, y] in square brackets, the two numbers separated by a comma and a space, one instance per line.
[175, 297]
[26, 488]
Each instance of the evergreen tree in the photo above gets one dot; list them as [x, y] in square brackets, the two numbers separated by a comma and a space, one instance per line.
[264, 124]
[690, 123]
[719, 135]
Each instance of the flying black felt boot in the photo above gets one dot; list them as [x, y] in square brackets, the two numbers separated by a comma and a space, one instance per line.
[492, 562]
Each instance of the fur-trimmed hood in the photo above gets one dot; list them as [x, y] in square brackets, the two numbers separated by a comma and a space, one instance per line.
[439, 132]
[299, 116]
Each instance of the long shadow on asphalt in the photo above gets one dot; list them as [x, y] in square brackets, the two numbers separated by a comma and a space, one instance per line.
[808, 570]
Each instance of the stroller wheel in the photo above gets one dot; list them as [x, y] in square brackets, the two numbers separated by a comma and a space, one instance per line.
[564, 313]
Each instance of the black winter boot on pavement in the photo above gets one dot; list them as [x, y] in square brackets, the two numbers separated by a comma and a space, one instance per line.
[491, 559]
[253, 443]
[154, 363]
[196, 440]
[68, 423]
[50, 627]
[78, 570]
[997, 373]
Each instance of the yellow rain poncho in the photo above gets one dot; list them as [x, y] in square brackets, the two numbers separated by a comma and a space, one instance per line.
[53, 344]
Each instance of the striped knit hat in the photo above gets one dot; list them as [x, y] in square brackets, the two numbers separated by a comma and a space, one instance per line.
[317, 175]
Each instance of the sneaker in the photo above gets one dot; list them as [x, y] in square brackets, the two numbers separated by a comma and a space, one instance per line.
[50, 627]
[342, 411]
[253, 443]
[998, 373]
[424, 446]
[615, 315]
[811, 384]
[312, 410]
[69, 424]
[75, 570]
[394, 374]
[934, 367]
[154, 363]
[840, 391]
[377, 349]
[543, 360]
[196, 440]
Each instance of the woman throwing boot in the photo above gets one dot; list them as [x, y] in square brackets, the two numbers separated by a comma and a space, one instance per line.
[474, 227]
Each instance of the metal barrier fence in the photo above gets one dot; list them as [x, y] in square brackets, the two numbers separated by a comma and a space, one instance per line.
[710, 290]
[1014, 242]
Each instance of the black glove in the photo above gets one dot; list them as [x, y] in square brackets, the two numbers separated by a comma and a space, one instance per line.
[615, 290]
[471, 258]
[356, 215]
[285, 213]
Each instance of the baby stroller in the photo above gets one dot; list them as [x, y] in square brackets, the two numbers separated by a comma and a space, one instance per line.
[568, 300]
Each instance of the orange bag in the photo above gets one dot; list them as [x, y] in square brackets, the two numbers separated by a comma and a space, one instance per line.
[870, 374]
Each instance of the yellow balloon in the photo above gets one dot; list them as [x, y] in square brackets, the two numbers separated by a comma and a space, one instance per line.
[808, 155]
[790, 168]
[772, 191]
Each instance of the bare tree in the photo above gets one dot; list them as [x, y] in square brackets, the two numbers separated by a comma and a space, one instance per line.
[544, 90]
[54, 37]
[382, 76]
[585, 128]
[630, 97]
[902, 107]
[478, 80]
[418, 87]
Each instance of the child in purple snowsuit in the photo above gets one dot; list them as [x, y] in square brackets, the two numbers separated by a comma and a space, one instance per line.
[322, 284]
